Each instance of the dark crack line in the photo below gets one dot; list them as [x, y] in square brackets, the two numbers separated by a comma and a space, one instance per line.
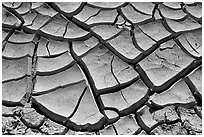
[194, 91]
[93, 6]
[117, 79]
[198, 112]
[92, 16]
[141, 123]
[173, 8]
[125, 18]
[32, 22]
[123, 97]
[11, 103]
[160, 58]
[38, 73]
[100, 23]
[49, 114]
[112, 121]
[64, 131]
[6, 39]
[66, 27]
[107, 45]
[139, 10]
[112, 70]
[85, 27]
[57, 30]
[134, 24]
[91, 49]
[199, 20]
[29, 10]
[80, 24]
[27, 42]
[10, 26]
[117, 87]
[192, 46]
[89, 78]
[165, 24]
[8, 115]
[58, 38]
[14, 5]
[164, 122]
[50, 20]
[54, 55]
[144, 77]
[155, 106]
[112, 109]
[155, 47]
[184, 49]
[136, 106]
[47, 47]
[115, 130]
[16, 79]
[16, 14]
[154, 10]
[181, 74]
[36, 93]
[78, 10]
[168, 28]
[165, 60]
[116, 35]
[135, 42]
[97, 132]
[137, 131]
[71, 14]
[170, 82]
[78, 103]
[147, 35]
[116, 19]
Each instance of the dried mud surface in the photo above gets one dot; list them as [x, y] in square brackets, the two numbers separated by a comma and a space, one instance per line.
[101, 68]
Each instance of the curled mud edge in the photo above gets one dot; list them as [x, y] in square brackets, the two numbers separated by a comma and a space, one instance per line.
[159, 89]
[11, 103]
[88, 127]
[194, 90]
[136, 106]
[65, 121]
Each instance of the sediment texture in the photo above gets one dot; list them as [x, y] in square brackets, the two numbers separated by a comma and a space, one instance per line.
[102, 68]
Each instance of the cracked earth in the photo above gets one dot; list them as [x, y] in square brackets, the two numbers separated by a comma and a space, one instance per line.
[101, 68]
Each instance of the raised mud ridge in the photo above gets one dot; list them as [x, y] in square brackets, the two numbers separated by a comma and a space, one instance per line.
[102, 68]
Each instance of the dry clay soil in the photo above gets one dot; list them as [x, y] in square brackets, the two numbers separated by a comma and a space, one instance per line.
[101, 68]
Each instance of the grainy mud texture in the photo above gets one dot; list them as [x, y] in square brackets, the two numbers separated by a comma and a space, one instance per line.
[101, 68]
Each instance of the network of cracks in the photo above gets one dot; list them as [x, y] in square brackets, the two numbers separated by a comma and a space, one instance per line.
[101, 68]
